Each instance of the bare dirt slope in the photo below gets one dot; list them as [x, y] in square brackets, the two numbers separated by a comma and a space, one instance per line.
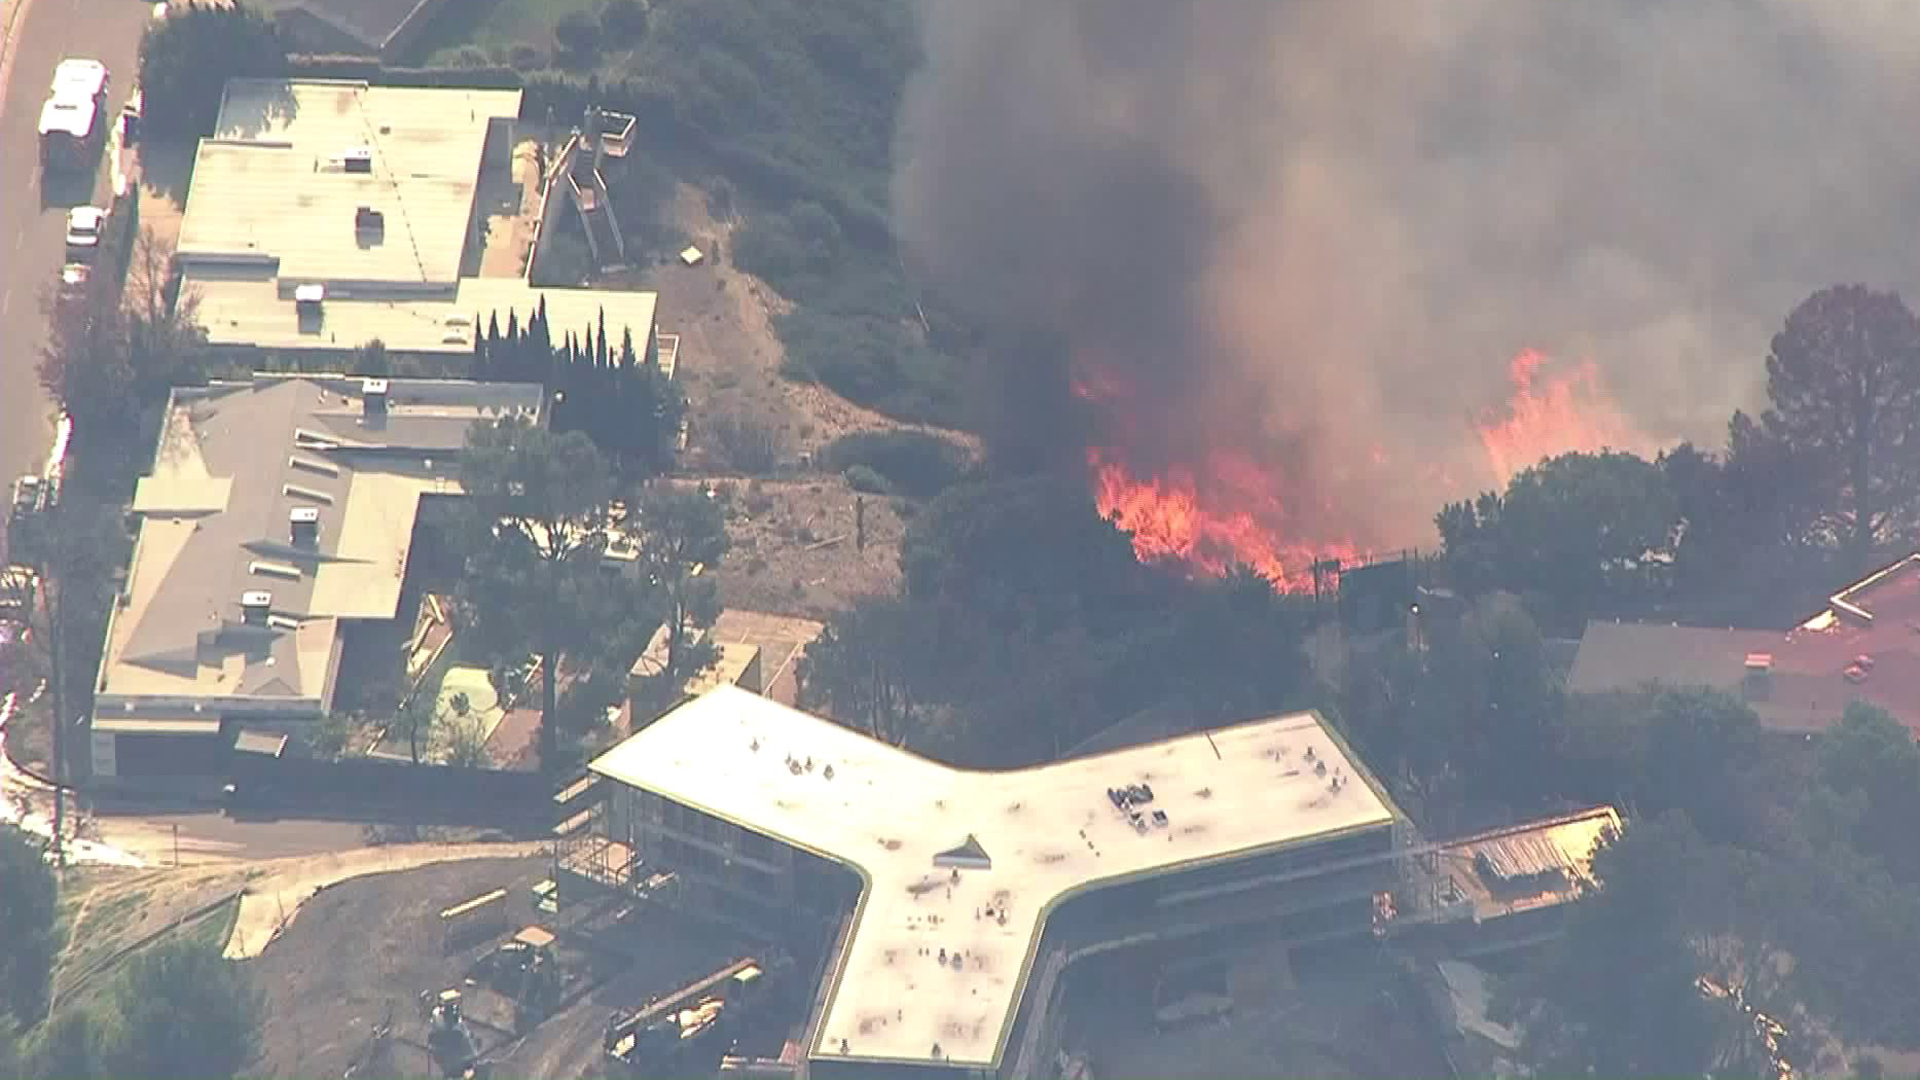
[730, 356]
[795, 548]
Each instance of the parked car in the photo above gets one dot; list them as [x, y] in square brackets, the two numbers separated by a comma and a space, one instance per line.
[26, 496]
[84, 226]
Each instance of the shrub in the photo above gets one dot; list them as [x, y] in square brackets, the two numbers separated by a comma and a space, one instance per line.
[578, 38]
[910, 462]
[472, 56]
[863, 479]
[625, 21]
[524, 57]
[748, 443]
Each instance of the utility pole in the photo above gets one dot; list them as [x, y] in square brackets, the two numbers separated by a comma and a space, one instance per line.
[57, 676]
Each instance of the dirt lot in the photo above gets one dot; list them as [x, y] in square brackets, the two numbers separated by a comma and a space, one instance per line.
[362, 951]
[367, 946]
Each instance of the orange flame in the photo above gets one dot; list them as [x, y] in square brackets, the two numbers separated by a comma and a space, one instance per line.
[1550, 415]
[1211, 525]
[1224, 508]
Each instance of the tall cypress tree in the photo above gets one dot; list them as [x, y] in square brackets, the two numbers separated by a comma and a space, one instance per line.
[627, 359]
[514, 347]
[603, 336]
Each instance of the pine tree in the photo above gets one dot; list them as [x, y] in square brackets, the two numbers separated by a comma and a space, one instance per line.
[627, 359]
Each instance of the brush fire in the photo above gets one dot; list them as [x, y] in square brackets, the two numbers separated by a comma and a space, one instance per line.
[1226, 508]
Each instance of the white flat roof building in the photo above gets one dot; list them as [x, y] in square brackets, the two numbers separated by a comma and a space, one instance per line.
[369, 193]
[962, 869]
[276, 508]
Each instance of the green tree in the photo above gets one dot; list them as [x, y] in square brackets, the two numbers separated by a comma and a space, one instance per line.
[1619, 994]
[181, 1011]
[187, 58]
[1701, 749]
[66, 1047]
[417, 717]
[1843, 384]
[1028, 550]
[869, 665]
[538, 505]
[1577, 529]
[682, 536]
[27, 894]
[1871, 763]
[12, 1057]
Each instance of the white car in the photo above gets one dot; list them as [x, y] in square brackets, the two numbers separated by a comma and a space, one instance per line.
[83, 228]
[73, 276]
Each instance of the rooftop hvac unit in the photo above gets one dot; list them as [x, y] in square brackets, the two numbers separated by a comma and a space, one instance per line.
[1759, 663]
[373, 395]
[309, 294]
[254, 607]
[357, 159]
[304, 522]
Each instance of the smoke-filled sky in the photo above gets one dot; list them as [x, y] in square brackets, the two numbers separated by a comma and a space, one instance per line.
[1336, 221]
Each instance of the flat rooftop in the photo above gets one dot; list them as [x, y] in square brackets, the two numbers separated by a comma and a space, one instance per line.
[249, 308]
[234, 460]
[1047, 832]
[276, 204]
[1815, 668]
[276, 183]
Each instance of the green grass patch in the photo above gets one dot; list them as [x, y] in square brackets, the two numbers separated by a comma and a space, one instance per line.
[495, 24]
[214, 929]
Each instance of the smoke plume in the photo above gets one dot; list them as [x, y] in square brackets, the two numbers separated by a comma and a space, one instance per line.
[1323, 227]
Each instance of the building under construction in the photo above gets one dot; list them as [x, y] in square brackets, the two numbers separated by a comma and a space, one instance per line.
[954, 900]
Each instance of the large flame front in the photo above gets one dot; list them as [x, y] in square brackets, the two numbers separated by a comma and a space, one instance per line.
[1225, 507]
[1551, 415]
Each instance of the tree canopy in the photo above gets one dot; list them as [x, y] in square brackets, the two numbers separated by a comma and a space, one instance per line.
[538, 512]
[681, 535]
[187, 58]
[1577, 529]
[1843, 384]
[27, 894]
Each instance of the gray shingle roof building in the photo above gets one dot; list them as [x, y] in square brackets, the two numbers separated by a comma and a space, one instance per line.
[276, 510]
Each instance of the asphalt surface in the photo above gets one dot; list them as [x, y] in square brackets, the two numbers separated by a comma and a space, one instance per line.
[33, 222]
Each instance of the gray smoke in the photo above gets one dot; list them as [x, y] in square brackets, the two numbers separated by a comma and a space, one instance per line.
[1324, 227]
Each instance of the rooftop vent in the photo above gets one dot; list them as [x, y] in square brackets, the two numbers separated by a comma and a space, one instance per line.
[304, 523]
[969, 853]
[254, 607]
[368, 220]
[373, 393]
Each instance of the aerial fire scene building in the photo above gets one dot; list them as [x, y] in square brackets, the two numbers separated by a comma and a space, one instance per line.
[970, 892]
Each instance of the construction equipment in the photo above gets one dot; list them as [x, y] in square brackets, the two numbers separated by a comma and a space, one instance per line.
[689, 1031]
[526, 972]
[452, 1045]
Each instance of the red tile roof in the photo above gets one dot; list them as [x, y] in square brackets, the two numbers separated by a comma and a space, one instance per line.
[1864, 647]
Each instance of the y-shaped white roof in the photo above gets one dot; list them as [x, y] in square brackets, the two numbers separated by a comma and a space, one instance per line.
[1047, 832]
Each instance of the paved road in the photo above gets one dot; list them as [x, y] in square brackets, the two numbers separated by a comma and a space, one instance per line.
[159, 838]
[31, 232]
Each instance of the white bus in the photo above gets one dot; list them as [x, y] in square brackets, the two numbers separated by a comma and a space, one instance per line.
[74, 114]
